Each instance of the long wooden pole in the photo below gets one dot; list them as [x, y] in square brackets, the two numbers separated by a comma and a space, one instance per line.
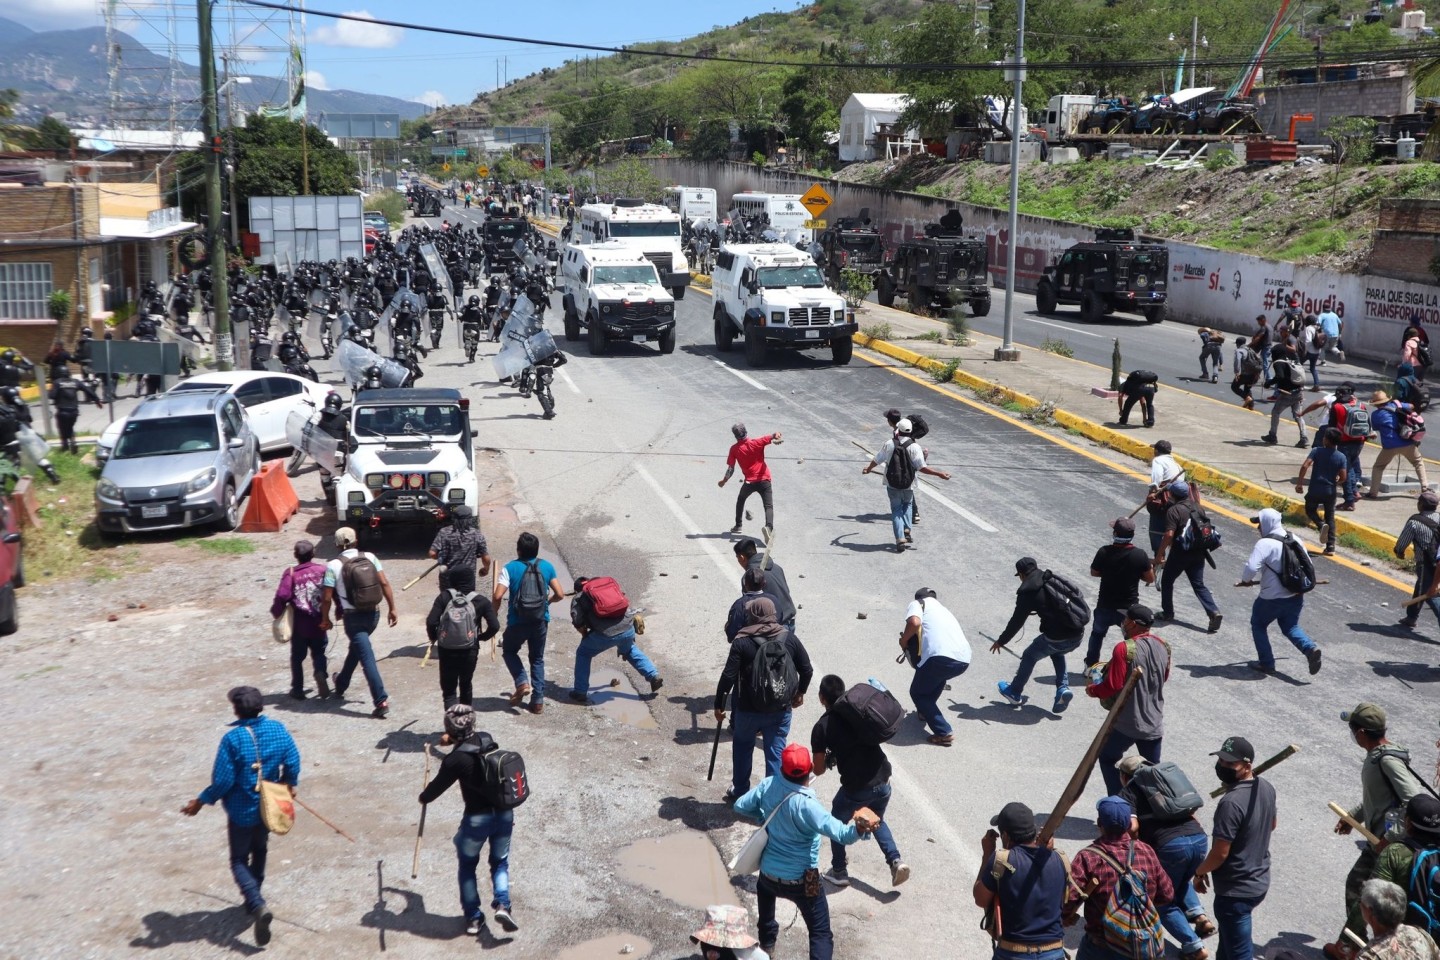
[1285, 754]
[327, 823]
[420, 834]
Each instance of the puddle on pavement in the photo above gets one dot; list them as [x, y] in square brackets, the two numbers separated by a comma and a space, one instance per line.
[684, 867]
[605, 948]
[619, 702]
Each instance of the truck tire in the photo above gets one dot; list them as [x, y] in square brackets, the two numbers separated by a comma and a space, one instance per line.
[678, 292]
[841, 350]
[885, 290]
[1092, 308]
[1045, 299]
[572, 325]
[597, 336]
[1155, 314]
[918, 296]
[980, 306]
[667, 341]
[755, 345]
[724, 331]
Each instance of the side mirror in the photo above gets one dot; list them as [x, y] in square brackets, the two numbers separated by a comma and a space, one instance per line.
[753, 286]
[351, 445]
[10, 538]
[236, 443]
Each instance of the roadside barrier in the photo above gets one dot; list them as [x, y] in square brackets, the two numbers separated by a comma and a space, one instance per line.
[272, 500]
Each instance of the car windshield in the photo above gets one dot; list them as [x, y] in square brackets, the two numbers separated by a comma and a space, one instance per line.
[162, 437]
[807, 275]
[860, 243]
[663, 229]
[509, 229]
[422, 420]
[633, 274]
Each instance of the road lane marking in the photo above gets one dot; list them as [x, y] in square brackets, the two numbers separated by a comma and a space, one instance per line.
[743, 376]
[727, 567]
[1061, 326]
[565, 375]
[951, 505]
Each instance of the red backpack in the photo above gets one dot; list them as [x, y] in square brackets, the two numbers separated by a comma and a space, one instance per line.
[606, 597]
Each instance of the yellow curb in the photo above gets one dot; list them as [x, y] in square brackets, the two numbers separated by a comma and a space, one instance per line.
[30, 394]
[702, 279]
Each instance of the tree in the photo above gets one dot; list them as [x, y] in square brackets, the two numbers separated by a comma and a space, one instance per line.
[810, 117]
[1354, 141]
[630, 178]
[51, 135]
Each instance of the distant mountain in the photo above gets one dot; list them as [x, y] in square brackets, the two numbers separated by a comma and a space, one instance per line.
[67, 71]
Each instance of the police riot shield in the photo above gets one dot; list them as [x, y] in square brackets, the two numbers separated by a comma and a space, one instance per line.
[189, 349]
[438, 274]
[33, 448]
[523, 340]
[302, 429]
[353, 360]
[403, 295]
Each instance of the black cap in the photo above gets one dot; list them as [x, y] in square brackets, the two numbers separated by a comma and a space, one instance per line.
[246, 700]
[1016, 819]
[1424, 813]
[1235, 750]
[1025, 566]
[1141, 614]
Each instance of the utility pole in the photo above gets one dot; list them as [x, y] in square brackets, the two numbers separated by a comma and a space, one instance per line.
[1006, 350]
[215, 246]
[1194, 40]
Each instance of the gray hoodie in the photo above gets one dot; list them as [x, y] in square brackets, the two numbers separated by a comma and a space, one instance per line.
[1265, 557]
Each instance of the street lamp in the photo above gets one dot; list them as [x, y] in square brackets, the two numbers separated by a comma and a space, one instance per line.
[230, 151]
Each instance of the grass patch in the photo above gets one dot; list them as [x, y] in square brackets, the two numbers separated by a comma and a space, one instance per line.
[877, 331]
[1014, 406]
[225, 546]
[946, 372]
[935, 336]
[1058, 347]
[1323, 238]
[959, 325]
[67, 543]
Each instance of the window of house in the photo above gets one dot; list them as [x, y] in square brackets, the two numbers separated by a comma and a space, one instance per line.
[24, 290]
[114, 277]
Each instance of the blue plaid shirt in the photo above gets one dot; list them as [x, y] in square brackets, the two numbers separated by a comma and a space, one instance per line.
[232, 781]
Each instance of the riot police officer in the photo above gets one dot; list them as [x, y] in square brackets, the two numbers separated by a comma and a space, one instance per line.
[472, 321]
[14, 368]
[437, 305]
[372, 379]
[65, 396]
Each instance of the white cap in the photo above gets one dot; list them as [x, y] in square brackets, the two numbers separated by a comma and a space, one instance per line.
[345, 537]
[904, 426]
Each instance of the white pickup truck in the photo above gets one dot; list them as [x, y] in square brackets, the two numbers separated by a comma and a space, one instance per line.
[774, 296]
[613, 292]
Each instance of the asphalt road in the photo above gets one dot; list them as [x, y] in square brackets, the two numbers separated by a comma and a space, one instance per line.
[625, 480]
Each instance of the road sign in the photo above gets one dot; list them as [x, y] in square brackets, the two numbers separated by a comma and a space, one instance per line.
[813, 224]
[445, 167]
[482, 171]
[816, 200]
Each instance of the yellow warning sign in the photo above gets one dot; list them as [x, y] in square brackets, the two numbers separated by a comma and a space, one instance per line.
[814, 224]
[816, 200]
[482, 171]
[445, 167]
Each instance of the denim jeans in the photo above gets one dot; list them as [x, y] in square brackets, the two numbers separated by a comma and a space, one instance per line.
[1353, 471]
[315, 649]
[1424, 573]
[1114, 748]
[1056, 954]
[358, 626]
[1099, 627]
[596, 642]
[248, 847]
[902, 502]
[1232, 917]
[926, 687]
[475, 829]
[1192, 565]
[1320, 508]
[1287, 612]
[814, 910]
[531, 636]
[1312, 359]
[1041, 647]
[772, 728]
[843, 807]
[1180, 856]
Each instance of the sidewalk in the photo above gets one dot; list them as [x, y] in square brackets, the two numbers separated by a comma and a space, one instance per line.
[1217, 442]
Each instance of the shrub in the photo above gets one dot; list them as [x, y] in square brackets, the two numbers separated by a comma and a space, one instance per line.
[877, 331]
[1057, 347]
[945, 373]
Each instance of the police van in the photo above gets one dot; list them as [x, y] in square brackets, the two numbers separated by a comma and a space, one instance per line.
[693, 203]
[613, 292]
[647, 227]
[774, 297]
[784, 212]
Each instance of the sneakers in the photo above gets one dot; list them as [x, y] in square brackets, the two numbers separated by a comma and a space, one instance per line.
[1270, 439]
[1249, 403]
[382, 710]
[656, 683]
[1302, 443]
[730, 796]
[1215, 619]
[1017, 699]
[908, 537]
[1258, 667]
[322, 689]
[735, 529]
[335, 683]
[899, 546]
[1214, 379]
[576, 696]
[1407, 624]
[263, 916]
[1063, 696]
[899, 873]
[507, 922]
[1323, 534]
[941, 739]
[297, 694]
[521, 692]
[840, 878]
[474, 925]
[1312, 656]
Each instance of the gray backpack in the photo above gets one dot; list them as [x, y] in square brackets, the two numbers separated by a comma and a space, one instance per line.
[458, 630]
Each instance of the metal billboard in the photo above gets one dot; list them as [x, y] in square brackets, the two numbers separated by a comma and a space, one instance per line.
[360, 126]
[292, 229]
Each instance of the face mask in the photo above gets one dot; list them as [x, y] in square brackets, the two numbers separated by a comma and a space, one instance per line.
[1226, 774]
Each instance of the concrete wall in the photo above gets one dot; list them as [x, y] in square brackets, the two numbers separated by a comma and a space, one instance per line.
[1207, 286]
[1381, 96]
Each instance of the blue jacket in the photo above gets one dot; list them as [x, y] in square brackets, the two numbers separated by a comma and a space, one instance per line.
[795, 833]
[1386, 419]
[232, 780]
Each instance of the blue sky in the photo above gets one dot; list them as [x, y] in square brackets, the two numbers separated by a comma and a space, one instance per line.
[433, 68]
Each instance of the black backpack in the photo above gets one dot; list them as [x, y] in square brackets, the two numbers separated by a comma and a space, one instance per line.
[771, 682]
[1296, 573]
[1198, 533]
[871, 712]
[918, 427]
[531, 599]
[1064, 601]
[899, 471]
[502, 778]
[1171, 795]
[1287, 374]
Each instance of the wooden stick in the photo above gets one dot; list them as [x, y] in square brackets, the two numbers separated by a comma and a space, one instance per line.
[1285, 754]
[1082, 773]
[327, 823]
[420, 834]
[422, 576]
[1355, 825]
[425, 660]
[715, 748]
[1420, 599]
[1163, 486]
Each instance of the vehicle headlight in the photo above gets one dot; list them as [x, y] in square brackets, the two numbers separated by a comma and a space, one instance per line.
[396, 481]
[438, 479]
[777, 316]
[416, 481]
[840, 315]
[107, 490]
[201, 480]
[457, 496]
[374, 480]
[356, 496]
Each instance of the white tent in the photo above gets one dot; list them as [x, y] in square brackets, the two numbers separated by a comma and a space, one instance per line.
[861, 116]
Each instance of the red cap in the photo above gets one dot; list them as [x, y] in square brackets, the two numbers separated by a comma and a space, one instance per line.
[795, 761]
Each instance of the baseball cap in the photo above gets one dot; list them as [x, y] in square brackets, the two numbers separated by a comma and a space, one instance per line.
[1365, 716]
[1015, 819]
[904, 426]
[1128, 765]
[1429, 499]
[1235, 750]
[795, 761]
[1124, 528]
[1424, 813]
[1025, 565]
[1141, 614]
[345, 537]
[1114, 813]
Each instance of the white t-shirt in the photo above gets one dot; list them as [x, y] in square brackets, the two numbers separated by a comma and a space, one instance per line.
[333, 578]
[940, 633]
[917, 456]
[1164, 470]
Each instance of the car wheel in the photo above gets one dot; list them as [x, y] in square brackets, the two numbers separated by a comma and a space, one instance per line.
[980, 306]
[667, 341]
[572, 326]
[755, 345]
[230, 513]
[294, 462]
[841, 350]
[1092, 308]
[678, 293]
[885, 290]
[1154, 314]
[12, 622]
[1045, 299]
[597, 337]
[724, 332]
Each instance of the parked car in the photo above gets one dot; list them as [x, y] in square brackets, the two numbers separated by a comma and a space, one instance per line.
[182, 460]
[376, 221]
[12, 569]
[267, 396]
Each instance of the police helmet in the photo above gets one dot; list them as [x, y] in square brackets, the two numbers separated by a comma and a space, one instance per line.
[333, 401]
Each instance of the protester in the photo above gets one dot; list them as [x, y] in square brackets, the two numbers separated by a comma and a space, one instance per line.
[1248, 366]
[1059, 633]
[1021, 887]
[1325, 484]
[1262, 341]
[748, 555]
[761, 710]
[1139, 386]
[789, 867]
[753, 585]
[1289, 383]
[302, 590]
[1141, 720]
[943, 654]
[1164, 473]
[598, 633]
[919, 429]
[1419, 835]
[864, 781]
[256, 748]
[1383, 904]
[1276, 602]
[1186, 550]
[457, 547]
[1121, 567]
[1334, 329]
[1312, 342]
[725, 935]
[481, 823]
[359, 576]
[755, 473]
[532, 585]
[904, 460]
[1422, 531]
[1096, 871]
[1352, 418]
[1212, 342]
[1388, 418]
[459, 634]
[1239, 856]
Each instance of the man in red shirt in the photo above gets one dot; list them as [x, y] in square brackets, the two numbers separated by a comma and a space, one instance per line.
[750, 455]
[1096, 870]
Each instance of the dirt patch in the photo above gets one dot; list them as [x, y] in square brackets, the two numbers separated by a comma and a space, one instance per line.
[683, 867]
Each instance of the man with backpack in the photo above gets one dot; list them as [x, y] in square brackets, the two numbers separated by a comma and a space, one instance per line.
[769, 670]
[1401, 428]
[533, 585]
[1248, 367]
[1239, 856]
[1165, 802]
[1165, 471]
[849, 737]
[1411, 389]
[1139, 386]
[919, 429]
[938, 650]
[1423, 531]
[774, 584]
[1312, 345]
[301, 589]
[753, 585]
[1063, 615]
[600, 612]
[354, 585]
[1352, 418]
[1141, 721]
[1285, 575]
[1325, 483]
[755, 473]
[1121, 567]
[1120, 883]
[1289, 383]
[1021, 888]
[1334, 329]
[454, 627]
[1189, 538]
[1387, 783]
[904, 460]
[457, 548]
[493, 783]
[1412, 861]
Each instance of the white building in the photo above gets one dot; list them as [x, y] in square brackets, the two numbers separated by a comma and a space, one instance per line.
[862, 116]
